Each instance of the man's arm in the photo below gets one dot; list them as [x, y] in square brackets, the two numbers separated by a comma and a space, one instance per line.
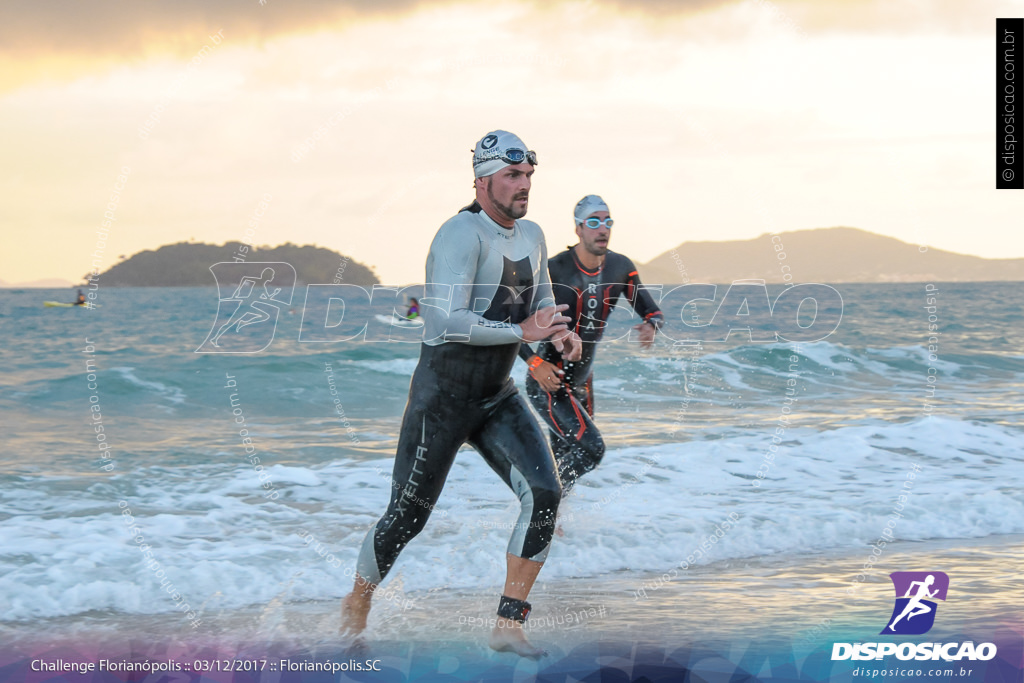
[643, 303]
[447, 302]
[542, 293]
[565, 340]
[640, 299]
[562, 294]
[548, 375]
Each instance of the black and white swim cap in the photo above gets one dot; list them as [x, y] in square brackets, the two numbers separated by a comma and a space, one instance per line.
[499, 149]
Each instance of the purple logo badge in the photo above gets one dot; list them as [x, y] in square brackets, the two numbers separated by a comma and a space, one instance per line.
[914, 612]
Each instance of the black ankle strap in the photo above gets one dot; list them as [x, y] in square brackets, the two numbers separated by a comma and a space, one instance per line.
[516, 610]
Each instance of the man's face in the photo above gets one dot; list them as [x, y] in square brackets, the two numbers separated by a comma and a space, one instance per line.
[509, 190]
[595, 240]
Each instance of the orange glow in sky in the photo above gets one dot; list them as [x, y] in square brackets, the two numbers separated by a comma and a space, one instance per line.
[720, 122]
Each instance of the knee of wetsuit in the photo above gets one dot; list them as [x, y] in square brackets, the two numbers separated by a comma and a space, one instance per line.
[404, 527]
[415, 525]
[532, 537]
[545, 507]
[594, 446]
[546, 496]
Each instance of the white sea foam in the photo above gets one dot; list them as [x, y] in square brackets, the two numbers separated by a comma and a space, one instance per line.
[645, 509]
[172, 394]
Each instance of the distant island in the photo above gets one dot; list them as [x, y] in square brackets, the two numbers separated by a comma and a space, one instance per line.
[822, 255]
[818, 255]
[188, 264]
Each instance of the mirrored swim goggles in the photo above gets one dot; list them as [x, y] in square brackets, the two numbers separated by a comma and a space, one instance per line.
[517, 156]
[594, 223]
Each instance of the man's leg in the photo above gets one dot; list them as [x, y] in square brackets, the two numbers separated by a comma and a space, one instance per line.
[508, 635]
[432, 431]
[575, 441]
[512, 443]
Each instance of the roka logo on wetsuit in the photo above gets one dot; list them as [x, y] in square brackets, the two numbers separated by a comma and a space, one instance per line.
[590, 302]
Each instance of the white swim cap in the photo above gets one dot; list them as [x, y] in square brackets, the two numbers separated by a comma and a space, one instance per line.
[499, 149]
[587, 206]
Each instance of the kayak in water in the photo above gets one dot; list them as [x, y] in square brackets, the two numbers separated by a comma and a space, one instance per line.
[79, 301]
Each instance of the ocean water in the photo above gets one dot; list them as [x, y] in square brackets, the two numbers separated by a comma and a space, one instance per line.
[723, 450]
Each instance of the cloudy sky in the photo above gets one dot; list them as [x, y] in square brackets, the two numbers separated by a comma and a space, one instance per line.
[702, 120]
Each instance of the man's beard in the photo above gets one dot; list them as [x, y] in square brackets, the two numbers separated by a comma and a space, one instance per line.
[507, 209]
[595, 248]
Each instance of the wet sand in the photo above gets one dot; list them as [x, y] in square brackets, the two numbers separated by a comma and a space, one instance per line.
[804, 600]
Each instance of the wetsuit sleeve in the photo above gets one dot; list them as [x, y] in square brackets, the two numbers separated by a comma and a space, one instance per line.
[543, 297]
[526, 352]
[640, 299]
[451, 272]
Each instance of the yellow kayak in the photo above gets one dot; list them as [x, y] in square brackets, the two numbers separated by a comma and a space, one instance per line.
[58, 304]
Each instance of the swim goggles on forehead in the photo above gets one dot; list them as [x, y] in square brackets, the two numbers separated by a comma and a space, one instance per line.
[594, 223]
[518, 156]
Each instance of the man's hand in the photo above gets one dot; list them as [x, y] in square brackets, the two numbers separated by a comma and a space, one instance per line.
[544, 323]
[646, 332]
[570, 345]
[548, 376]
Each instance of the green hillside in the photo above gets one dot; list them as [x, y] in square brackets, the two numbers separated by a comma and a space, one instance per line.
[188, 265]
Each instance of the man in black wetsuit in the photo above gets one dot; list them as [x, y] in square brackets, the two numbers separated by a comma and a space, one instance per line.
[590, 279]
[487, 291]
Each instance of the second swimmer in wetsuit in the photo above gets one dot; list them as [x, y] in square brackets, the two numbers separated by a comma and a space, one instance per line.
[590, 279]
[487, 290]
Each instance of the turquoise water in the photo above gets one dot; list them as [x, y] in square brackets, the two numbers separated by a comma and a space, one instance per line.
[689, 429]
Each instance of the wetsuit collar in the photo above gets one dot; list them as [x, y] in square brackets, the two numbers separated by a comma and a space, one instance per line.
[579, 264]
[477, 209]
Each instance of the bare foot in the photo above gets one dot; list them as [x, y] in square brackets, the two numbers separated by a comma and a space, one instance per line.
[508, 636]
[355, 607]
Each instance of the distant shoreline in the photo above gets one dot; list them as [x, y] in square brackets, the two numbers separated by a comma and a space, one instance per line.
[837, 255]
[646, 284]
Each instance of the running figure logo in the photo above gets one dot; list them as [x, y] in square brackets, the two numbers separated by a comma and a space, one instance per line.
[247, 319]
[914, 612]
